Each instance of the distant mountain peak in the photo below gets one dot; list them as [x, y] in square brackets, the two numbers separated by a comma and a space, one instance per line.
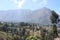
[38, 16]
[45, 8]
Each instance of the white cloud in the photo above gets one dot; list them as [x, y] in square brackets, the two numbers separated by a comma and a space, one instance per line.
[34, 0]
[19, 3]
[41, 2]
[44, 2]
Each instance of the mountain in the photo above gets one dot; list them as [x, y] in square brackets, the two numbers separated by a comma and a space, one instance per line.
[40, 16]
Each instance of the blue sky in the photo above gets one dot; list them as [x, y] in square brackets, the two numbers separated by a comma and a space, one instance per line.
[30, 4]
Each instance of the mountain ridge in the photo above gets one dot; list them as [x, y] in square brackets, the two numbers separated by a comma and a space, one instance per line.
[40, 16]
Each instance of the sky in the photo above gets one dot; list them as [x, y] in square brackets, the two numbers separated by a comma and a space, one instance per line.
[30, 4]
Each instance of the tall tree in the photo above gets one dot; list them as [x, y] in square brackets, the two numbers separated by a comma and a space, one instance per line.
[54, 17]
[5, 27]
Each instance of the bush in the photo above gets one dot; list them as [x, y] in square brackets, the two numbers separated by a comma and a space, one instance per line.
[31, 38]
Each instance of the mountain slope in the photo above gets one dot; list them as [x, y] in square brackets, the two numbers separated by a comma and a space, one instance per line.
[40, 16]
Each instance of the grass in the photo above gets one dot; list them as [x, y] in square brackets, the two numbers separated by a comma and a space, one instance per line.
[4, 36]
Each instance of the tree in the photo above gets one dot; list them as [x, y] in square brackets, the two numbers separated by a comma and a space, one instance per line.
[5, 29]
[43, 32]
[54, 17]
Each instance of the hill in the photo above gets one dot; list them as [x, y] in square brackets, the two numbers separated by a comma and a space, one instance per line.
[40, 16]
